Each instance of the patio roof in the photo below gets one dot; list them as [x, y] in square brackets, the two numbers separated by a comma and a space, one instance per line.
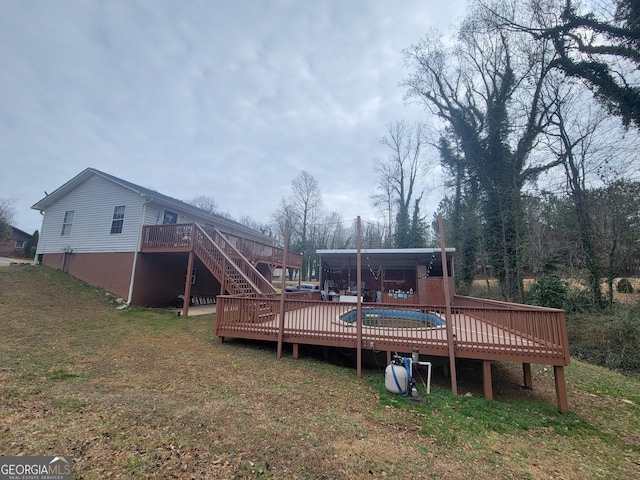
[400, 258]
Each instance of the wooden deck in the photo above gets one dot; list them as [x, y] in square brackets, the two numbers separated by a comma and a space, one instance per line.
[482, 330]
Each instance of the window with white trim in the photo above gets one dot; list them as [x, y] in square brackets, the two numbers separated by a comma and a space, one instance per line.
[19, 243]
[67, 223]
[118, 219]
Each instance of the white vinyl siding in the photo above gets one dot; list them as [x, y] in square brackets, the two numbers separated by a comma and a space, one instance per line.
[93, 203]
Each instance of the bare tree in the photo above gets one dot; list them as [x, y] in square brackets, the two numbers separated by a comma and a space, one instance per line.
[263, 228]
[398, 185]
[285, 213]
[383, 199]
[374, 235]
[574, 138]
[303, 210]
[489, 89]
[205, 203]
[6, 218]
[332, 232]
[617, 225]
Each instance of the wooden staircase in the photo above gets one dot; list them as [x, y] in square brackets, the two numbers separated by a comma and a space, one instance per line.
[236, 274]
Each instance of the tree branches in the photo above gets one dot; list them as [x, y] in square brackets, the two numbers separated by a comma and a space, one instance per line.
[600, 48]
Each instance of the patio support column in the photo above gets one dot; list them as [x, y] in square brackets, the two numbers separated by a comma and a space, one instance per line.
[561, 389]
[187, 286]
[283, 287]
[486, 379]
[526, 370]
[321, 279]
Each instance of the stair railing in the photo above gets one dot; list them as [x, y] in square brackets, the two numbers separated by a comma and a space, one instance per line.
[220, 254]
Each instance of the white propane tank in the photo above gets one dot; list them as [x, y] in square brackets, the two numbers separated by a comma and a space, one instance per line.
[401, 377]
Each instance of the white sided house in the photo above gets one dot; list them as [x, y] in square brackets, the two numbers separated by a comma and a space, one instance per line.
[148, 248]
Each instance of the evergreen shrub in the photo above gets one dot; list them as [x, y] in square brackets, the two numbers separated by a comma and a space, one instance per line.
[624, 286]
[548, 290]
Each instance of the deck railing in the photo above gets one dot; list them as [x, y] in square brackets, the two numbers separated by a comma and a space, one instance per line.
[177, 236]
[262, 252]
[533, 335]
[529, 320]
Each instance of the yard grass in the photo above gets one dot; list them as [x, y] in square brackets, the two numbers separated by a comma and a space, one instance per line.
[144, 394]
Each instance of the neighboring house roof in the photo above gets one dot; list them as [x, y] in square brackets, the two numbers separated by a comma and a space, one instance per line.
[146, 192]
[17, 230]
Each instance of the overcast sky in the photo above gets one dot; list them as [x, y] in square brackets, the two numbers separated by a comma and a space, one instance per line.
[229, 99]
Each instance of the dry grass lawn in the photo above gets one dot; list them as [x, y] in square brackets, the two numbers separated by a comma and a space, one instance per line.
[142, 394]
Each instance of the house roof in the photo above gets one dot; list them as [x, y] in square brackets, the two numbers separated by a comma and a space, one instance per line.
[146, 192]
[400, 258]
[20, 231]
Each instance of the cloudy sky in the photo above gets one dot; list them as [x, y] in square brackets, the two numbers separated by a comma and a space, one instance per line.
[228, 99]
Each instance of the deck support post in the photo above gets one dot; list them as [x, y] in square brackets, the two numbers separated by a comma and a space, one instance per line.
[561, 389]
[296, 353]
[223, 282]
[388, 357]
[449, 316]
[526, 370]
[187, 286]
[283, 287]
[486, 379]
[359, 296]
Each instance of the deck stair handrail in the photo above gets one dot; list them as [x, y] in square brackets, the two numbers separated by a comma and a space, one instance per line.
[261, 252]
[224, 260]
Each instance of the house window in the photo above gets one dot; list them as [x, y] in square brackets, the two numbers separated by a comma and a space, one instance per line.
[19, 243]
[169, 217]
[118, 219]
[67, 222]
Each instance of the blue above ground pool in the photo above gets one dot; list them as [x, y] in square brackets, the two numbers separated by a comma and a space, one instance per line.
[430, 319]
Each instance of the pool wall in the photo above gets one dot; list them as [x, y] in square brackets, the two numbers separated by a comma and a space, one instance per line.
[430, 318]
